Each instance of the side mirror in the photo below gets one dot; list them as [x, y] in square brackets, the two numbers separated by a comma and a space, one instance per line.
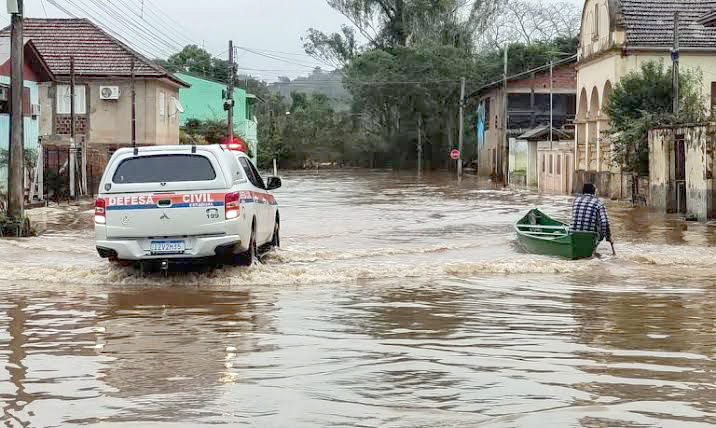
[273, 183]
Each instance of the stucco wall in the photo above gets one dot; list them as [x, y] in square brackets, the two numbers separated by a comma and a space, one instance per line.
[660, 169]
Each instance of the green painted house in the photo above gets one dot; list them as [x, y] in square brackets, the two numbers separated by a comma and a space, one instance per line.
[203, 100]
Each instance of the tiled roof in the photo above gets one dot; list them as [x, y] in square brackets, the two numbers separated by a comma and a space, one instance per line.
[96, 53]
[650, 23]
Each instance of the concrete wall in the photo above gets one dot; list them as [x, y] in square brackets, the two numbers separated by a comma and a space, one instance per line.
[699, 162]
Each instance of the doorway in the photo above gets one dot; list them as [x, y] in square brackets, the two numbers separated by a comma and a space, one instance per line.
[680, 173]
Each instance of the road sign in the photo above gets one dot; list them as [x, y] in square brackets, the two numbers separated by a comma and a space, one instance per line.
[454, 154]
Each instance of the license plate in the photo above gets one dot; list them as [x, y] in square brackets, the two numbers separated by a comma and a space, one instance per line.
[167, 247]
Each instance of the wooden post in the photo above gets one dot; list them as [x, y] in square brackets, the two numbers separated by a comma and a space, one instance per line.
[505, 110]
[420, 144]
[73, 146]
[461, 124]
[675, 64]
[134, 106]
[16, 161]
[230, 94]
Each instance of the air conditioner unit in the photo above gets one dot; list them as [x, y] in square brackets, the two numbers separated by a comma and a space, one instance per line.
[4, 93]
[109, 92]
[36, 110]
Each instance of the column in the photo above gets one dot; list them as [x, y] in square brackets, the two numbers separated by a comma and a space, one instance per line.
[599, 149]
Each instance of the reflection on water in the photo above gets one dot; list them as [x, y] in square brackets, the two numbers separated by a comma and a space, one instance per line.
[395, 301]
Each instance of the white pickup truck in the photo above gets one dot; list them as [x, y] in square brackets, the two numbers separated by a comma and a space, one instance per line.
[164, 203]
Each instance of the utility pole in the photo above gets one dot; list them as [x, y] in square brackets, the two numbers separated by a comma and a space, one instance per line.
[551, 99]
[230, 94]
[420, 144]
[73, 146]
[675, 61]
[134, 106]
[505, 111]
[16, 161]
[461, 124]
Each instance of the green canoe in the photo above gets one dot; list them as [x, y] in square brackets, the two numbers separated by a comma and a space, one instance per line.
[540, 234]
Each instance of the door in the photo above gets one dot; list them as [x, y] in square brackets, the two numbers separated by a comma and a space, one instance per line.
[680, 173]
[261, 201]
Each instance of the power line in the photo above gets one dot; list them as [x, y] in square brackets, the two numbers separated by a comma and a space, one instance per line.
[147, 42]
[138, 30]
[275, 58]
[162, 22]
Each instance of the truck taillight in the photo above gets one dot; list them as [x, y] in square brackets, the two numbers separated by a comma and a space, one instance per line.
[231, 205]
[100, 211]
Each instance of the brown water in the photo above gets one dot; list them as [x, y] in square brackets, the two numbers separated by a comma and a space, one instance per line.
[395, 302]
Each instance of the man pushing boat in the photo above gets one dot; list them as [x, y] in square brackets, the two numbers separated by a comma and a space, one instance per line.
[590, 215]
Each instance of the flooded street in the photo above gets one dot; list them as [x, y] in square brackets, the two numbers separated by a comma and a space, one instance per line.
[394, 302]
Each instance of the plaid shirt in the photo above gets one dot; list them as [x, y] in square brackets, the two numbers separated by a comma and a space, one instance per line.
[590, 215]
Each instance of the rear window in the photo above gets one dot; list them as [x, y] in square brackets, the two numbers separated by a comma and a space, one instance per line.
[164, 169]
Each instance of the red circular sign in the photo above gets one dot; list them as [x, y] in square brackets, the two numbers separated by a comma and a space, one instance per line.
[454, 154]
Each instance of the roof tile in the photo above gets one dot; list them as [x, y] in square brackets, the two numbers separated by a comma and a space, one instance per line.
[96, 53]
[650, 23]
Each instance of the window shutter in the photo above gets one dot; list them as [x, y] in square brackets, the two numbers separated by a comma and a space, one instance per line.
[63, 99]
[80, 99]
[162, 104]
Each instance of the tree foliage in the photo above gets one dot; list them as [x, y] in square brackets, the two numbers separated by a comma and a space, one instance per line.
[644, 100]
[195, 60]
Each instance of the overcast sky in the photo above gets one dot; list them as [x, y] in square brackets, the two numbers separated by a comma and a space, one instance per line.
[270, 28]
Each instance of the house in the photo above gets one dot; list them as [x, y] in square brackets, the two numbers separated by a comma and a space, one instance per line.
[616, 38]
[103, 103]
[528, 108]
[35, 72]
[204, 101]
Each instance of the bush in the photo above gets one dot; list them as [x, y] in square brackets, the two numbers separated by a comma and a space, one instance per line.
[643, 100]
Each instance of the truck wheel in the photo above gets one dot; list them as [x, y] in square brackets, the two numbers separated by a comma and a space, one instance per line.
[276, 240]
[251, 255]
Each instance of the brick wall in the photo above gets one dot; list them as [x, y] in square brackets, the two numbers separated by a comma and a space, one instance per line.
[563, 77]
[63, 124]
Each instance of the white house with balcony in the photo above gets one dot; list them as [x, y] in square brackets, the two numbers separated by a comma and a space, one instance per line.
[616, 37]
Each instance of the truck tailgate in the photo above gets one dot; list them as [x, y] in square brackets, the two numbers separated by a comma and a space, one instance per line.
[150, 215]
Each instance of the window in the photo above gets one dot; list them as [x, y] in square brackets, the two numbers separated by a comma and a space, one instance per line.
[713, 96]
[543, 162]
[162, 104]
[63, 99]
[164, 169]
[559, 164]
[596, 22]
[251, 173]
[550, 164]
[488, 119]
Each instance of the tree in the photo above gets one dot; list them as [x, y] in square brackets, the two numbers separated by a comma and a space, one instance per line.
[529, 21]
[644, 100]
[195, 60]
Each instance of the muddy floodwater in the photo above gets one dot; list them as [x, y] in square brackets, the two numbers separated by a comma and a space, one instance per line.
[396, 301]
